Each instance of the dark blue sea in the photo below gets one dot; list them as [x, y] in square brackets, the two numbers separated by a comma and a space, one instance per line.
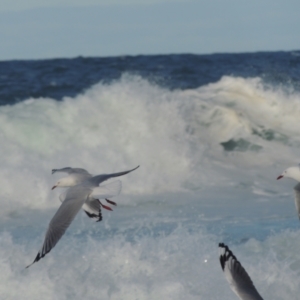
[211, 134]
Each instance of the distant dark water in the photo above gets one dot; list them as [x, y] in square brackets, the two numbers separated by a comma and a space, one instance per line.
[57, 78]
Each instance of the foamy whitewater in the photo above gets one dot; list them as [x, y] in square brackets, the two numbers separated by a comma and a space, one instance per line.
[209, 157]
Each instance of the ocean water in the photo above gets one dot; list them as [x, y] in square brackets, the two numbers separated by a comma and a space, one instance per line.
[211, 133]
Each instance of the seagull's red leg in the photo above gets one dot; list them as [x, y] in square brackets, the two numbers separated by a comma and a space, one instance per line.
[104, 206]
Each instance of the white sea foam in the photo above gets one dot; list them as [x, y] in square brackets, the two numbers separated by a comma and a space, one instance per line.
[174, 135]
[181, 265]
[208, 156]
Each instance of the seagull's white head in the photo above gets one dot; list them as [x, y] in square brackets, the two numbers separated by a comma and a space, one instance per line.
[292, 172]
[65, 182]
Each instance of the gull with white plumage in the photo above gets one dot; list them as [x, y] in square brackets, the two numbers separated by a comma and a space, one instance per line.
[293, 173]
[93, 207]
[86, 192]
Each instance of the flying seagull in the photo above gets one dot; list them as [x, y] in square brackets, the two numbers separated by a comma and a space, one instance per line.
[76, 196]
[91, 208]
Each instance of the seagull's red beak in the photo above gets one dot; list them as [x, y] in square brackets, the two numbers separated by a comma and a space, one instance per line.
[54, 187]
[279, 177]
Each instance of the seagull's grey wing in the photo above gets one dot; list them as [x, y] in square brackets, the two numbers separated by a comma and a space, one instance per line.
[96, 180]
[69, 208]
[236, 275]
[69, 170]
[297, 198]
